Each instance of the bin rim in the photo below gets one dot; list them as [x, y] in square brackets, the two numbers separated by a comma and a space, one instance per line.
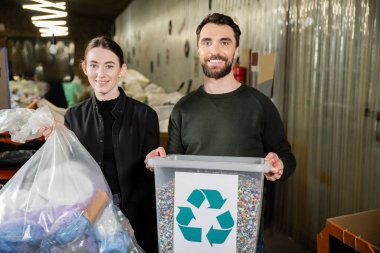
[172, 161]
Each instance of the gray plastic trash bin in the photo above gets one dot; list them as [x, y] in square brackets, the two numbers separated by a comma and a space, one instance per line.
[208, 203]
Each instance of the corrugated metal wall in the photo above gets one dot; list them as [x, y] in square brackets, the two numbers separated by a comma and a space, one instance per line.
[332, 110]
[143, 31]
[327, 86]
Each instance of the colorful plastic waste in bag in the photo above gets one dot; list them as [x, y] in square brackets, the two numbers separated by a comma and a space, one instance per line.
[58, 201]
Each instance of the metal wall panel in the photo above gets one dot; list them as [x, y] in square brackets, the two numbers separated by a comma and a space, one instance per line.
[333, 88]
[326, 85]
[143, 29]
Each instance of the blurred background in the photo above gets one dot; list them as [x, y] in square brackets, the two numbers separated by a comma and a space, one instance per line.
[318, 60]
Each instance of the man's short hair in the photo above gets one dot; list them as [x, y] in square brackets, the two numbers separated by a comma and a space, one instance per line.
[220, 19]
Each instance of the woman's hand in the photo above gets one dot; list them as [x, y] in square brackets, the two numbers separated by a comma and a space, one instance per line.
[46, 131]
[158, 152]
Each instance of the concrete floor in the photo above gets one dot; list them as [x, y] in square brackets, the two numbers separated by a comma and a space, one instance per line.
[276, 242]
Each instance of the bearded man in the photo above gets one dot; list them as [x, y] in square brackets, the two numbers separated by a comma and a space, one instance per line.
[224, 117]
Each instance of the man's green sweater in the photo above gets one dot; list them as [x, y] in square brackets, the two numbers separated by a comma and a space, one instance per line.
[243, 123]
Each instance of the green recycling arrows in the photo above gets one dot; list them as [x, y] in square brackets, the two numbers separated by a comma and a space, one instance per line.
[191, 234]
[226, 220]
[185, 215]
[216, 201]
[217, 235]
[196, 198]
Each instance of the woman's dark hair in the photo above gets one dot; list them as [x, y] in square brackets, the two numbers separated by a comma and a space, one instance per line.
[220, 19]
[107, 43]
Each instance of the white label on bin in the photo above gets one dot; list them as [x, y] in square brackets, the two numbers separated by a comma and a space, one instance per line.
[205, 212]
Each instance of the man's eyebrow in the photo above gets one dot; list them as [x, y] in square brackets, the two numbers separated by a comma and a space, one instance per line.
[205, 39]
[226, 39]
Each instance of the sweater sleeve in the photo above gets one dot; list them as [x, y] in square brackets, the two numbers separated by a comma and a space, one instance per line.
[275, 139]
[174, 143]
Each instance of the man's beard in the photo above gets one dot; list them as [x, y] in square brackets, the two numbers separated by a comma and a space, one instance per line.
[217, 74]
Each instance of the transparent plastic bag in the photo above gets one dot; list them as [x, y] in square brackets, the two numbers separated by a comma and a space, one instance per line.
[59, 200]
[23, 124]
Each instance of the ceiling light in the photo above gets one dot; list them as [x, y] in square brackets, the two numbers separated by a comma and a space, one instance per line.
[54, 11]
[56, 31]
[49, 23]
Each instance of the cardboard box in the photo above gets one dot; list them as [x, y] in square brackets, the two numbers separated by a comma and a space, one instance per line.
[360, 231]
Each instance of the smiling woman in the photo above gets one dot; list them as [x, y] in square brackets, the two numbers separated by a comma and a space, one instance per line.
[103, 69]
[118, 132]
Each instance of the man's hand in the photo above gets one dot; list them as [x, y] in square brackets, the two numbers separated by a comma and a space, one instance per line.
[277, 167]
[158, 152]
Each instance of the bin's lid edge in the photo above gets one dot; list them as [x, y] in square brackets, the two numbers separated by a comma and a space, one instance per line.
[205, 165]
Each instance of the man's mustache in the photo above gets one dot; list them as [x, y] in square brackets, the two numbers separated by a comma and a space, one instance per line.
[217, 57]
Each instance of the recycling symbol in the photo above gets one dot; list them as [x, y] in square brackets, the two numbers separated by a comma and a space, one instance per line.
[186, 215]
